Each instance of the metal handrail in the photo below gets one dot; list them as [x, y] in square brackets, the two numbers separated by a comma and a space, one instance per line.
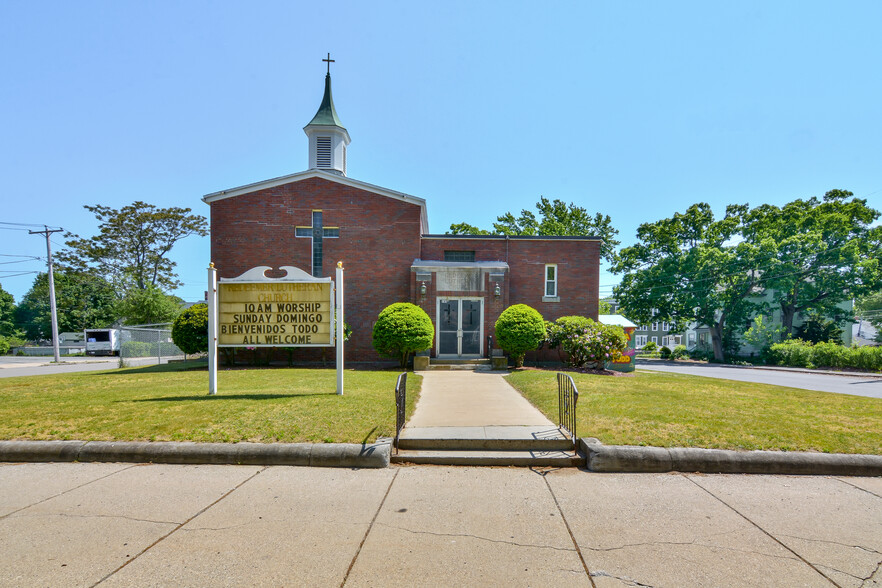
[400, 406]
[567, 398]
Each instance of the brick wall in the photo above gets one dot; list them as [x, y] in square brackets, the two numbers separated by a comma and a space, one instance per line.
[379, 239]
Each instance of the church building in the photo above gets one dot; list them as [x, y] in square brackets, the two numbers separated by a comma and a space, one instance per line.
[314, 218]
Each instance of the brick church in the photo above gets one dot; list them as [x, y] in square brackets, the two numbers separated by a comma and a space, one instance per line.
[314, 218]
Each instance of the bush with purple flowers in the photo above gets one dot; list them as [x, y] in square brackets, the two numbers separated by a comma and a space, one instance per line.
[588, 344]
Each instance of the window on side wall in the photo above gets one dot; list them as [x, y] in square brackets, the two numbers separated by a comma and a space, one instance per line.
[550, 292]
[640, 341]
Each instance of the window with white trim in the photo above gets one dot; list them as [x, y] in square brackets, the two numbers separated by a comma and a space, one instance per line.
[690, 337]
[639, 341]
[655, 340]
[551, 279]
[666, 326]
[655, 326]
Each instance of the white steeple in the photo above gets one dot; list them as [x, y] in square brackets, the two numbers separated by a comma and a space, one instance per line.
[328, 138]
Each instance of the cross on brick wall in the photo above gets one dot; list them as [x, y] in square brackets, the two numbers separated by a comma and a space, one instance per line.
[318, 233]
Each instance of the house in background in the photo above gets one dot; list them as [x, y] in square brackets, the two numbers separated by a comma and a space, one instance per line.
[657, 331]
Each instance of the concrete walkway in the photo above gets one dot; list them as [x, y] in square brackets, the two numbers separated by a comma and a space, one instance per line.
[472, 399]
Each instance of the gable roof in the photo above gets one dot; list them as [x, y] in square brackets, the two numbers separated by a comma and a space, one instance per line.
[317, 173]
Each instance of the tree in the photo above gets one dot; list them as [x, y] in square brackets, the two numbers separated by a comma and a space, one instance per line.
[83, 301]
[402, 328]
[556, 218]
[520, 328]
[815, 254]
[148, 306]
[132, 246]
[7, 313]
[466, 229]
[190, 329]
[687, 269]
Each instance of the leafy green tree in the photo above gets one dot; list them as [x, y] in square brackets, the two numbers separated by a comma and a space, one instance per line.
[131, 249]
[816, 253]
[401, 329]
[190, 329]
[149, 306]
[688, 268]
[763, 335]
[818, 329]
[555, 218]
[466, 229]
[83, 301]
[7, 313]
[520, 328]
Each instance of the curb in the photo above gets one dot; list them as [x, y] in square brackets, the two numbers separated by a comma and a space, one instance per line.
[634, 459]
[331, 455]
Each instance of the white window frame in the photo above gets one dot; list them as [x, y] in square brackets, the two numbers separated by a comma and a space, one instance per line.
[555, 295]
[639, 341]
[666, 326]
[655, 340]
[654, 326]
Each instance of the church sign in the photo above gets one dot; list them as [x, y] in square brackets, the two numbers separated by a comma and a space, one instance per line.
[253, 310]
[276, 314]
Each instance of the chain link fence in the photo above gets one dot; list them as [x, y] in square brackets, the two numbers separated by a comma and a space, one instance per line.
[147, 344]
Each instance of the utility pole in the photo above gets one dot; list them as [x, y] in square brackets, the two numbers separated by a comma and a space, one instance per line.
[46, 231]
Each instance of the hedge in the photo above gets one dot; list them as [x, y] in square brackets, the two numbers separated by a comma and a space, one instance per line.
[798, 353]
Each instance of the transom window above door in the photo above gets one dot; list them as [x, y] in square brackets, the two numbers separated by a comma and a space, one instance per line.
[466, 256]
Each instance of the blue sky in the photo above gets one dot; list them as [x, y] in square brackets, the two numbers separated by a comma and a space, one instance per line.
[633, 109]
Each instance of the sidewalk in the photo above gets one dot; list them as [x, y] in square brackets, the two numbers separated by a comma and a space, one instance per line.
[171, 525]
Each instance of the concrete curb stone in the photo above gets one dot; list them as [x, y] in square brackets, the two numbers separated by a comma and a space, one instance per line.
[344, 455]
[625, 458]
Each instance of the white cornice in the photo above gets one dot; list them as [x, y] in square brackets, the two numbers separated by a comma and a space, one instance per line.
[317, 173]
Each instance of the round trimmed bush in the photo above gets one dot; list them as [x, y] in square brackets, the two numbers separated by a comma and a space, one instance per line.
[665, 352]
[403, 328]
[520, 328]
[190, 329]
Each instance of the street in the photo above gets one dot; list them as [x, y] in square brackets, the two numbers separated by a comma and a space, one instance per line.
[857, 384]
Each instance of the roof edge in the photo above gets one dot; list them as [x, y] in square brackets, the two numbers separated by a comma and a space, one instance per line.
[519, 237]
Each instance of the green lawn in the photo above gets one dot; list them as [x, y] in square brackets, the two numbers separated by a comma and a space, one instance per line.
[171, 403]
[674, 410]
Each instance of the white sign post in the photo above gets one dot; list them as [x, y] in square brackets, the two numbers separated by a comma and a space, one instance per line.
[340, 329]
[252, 310]
[212, 329]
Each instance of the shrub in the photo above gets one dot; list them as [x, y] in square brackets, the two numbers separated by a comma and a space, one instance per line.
[679, 352]
[190, 329]
[665, 352]
[402, 328]
[4, 346]
[793, 352]
[559, 331]
[650, 346]
[519, 329]
[137, 349]
[595, 344]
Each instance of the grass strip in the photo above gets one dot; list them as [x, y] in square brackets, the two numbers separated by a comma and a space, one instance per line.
[171, 403]
[675, 410]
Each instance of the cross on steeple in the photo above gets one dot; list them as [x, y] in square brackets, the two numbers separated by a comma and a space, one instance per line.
[330, 61]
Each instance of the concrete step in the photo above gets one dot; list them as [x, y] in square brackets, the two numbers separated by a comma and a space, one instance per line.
[490, 458]
[489, 438]
[459, 364]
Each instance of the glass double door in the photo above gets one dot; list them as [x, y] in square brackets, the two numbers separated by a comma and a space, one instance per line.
[459, 327]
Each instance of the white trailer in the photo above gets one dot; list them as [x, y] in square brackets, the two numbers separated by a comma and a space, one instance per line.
[102, 341]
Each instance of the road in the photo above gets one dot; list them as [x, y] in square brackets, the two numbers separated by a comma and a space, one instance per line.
[858, 385]
[11, 366]
[108, 524]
